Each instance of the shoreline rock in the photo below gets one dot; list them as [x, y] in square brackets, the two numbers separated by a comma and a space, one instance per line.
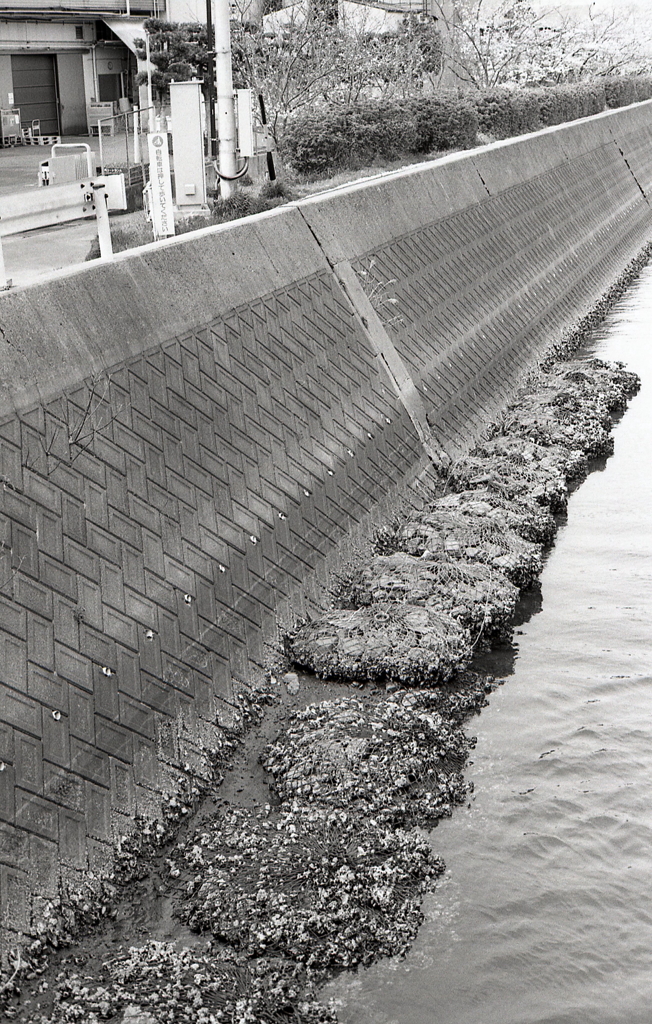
[443, 580]
[330, 874]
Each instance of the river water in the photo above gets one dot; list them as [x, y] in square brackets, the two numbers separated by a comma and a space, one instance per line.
[545, 912]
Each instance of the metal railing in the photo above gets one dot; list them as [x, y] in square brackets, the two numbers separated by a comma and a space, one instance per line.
[151, 8]
[128, 123]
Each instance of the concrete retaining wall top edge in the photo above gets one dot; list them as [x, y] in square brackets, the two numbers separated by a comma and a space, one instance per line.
[74, 324]
[68, 327]
[360, 217]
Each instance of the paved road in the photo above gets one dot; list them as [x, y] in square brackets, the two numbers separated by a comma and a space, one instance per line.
[34, 253]
[30, 255]
[19, 164]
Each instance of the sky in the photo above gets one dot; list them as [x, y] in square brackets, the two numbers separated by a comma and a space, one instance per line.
[604, 5]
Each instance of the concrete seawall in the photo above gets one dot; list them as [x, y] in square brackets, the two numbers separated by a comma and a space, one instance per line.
[190, 434]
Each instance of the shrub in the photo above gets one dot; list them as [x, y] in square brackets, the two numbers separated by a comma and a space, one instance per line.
[322, 141]
[318, 142]
[444, 122]
[622, 91]
[331, 138]
[569, 102]
[590, 97]
[503, 113]
[326, 140]
[383, 130]
[495, 115]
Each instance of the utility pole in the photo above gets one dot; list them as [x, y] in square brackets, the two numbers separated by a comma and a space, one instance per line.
[225, 98]
[210, 36]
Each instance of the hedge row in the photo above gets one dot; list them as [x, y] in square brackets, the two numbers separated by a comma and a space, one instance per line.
[325, 140]
[334, 137]
[506, 112]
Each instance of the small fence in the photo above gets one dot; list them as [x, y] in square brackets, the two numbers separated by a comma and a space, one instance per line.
[127, 129]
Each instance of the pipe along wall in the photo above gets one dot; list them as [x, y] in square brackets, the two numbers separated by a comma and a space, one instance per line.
[190, 434]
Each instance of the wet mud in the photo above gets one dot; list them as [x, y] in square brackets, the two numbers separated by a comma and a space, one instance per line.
[309, 851]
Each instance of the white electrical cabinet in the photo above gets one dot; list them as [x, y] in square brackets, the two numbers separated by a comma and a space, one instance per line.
[186, 105]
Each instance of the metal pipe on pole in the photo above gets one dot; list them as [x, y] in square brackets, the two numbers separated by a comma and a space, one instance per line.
[225, 98]
[210, 42]
[4, 280]
[150, 101]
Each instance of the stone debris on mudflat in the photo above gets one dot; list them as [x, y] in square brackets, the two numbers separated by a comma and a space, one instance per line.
[291, 681]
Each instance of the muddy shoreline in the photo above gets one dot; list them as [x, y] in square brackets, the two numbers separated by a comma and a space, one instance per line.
[308, 852]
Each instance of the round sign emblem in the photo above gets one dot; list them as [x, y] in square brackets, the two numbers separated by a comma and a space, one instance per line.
[157, 141]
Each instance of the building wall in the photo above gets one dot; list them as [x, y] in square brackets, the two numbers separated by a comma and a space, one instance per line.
[18, 35]
[244, 416]
[186, 10]
[6, 81]
[82, 64]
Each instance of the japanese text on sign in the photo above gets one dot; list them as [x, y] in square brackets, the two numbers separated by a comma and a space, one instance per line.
[161, 192]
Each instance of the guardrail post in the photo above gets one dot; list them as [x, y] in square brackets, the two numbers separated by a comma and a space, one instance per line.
[136, 135]
[4, 283]
[103, 225]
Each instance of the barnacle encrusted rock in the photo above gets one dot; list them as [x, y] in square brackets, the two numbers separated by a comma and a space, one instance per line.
[404, 642]
[159, 983]
[325, 888]
[445, 576]
[400, 760]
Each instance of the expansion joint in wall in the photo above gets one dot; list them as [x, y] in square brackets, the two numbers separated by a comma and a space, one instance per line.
[385, 351]
[389, 358]
[631, 171]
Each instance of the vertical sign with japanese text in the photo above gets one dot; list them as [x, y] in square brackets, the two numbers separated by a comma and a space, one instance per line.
[159, 176]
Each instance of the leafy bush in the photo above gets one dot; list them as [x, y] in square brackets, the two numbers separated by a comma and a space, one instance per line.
[570, 102]
[328, 139]
[503, 113]
[443, 122]
[382, 130]
[324, 140]
[620, 92]
[495, 115]
[316, 143]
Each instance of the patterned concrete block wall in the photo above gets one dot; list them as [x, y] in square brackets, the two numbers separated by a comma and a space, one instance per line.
[479, 264]
[189, 434]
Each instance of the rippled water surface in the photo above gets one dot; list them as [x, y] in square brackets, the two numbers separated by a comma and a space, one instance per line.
[545, 914]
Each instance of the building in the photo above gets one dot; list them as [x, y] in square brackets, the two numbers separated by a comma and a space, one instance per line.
[66, 63]
[60, 58]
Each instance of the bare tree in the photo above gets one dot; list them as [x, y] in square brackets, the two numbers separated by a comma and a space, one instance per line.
[305, 57]
[77, 431]
[599, 42]
[501, 42]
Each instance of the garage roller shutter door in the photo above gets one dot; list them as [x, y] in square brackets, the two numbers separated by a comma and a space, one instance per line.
[35, 90]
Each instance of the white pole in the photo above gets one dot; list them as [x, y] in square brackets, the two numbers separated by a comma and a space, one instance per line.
[4, 283]
[225, 109]
[136, 135]
[99, 139]
[102, 215]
